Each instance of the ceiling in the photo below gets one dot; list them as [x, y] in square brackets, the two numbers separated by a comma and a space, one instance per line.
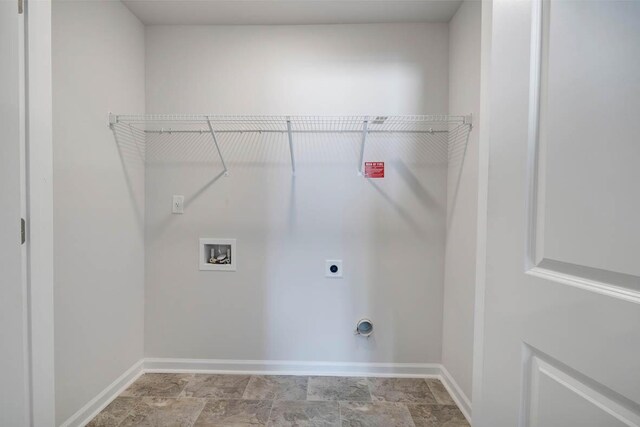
[280, 12]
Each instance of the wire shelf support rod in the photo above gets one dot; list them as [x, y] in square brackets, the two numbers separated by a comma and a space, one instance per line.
[293, 160]
[215, 141]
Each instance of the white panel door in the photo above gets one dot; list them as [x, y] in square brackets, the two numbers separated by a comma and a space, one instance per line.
[561, 325]
[14, 395]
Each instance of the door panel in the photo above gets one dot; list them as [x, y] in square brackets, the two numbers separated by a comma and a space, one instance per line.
[14, 396]
[558, 396]
[589, 128]
[562, 297]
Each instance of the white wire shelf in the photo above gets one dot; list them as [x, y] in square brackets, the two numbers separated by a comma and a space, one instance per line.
[291, 125]
[198, 122]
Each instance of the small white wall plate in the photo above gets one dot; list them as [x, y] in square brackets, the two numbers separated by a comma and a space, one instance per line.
[177, 205]
[333, 268]
[217, 254]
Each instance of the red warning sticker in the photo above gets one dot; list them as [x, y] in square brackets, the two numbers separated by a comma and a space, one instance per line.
[374, 169]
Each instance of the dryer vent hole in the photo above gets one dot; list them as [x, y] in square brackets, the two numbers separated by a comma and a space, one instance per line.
[364, 327]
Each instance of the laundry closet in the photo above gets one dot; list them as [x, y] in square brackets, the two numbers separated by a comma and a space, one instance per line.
[263, 187]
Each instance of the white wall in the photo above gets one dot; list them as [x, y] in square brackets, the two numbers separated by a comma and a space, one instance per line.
[459, 288]
[98, 66]
[390, 233]
[311, 69]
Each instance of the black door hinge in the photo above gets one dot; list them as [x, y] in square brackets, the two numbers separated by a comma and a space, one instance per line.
[20, 7]
[23, 231]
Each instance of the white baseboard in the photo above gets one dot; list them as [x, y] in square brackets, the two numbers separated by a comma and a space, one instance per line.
[268, 367]
[106, 396]
[456, 393]
[278, 367]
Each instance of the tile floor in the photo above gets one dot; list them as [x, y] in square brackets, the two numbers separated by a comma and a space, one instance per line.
[251, 400]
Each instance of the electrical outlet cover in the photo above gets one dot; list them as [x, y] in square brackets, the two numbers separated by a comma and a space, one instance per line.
[177, 206]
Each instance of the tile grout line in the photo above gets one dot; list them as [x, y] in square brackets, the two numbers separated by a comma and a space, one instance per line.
[431, 391]
[251, 377]
[128, 412]
[273, 402]
[406, 406]
[246, 387]
[183, 391]
[368, 381]
[199, 412]
[306, 397]
[435, 397]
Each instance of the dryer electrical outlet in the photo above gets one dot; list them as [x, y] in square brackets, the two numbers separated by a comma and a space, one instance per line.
[333, 268]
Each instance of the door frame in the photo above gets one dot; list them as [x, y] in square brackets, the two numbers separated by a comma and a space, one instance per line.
[483, 199]
[39, 213]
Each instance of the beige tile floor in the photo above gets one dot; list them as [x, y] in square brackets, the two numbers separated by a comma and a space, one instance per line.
[251, 400]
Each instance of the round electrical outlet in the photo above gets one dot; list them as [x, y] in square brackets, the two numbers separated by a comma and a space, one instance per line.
[333, 268]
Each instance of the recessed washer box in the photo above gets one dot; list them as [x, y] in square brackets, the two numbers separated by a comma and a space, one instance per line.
[217, 254]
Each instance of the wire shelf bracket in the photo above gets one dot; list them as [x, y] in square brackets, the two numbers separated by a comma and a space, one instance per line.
[365, 132]
[290, 134]
[215, 141]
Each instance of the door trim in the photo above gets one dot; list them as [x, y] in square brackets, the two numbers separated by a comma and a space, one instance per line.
[39, 177]
[483, 200]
